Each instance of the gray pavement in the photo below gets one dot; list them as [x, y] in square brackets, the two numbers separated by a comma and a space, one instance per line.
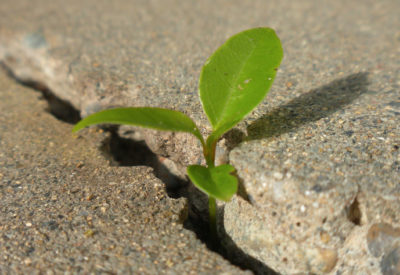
[319, 158]
[65, 210]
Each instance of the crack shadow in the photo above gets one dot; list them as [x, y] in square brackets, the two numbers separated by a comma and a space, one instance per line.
[128, 152]
[61, 109]
[224, 245]
[311, 106]
[123, 151]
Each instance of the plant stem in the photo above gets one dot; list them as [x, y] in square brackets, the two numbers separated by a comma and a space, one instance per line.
[209, 154]
[212, 208]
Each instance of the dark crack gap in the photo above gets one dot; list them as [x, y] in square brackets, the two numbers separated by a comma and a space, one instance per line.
[128, 152]
[59, 108]
[354, 212]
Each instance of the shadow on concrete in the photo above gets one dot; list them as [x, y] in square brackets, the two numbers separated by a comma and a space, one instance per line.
[314, 105]
[311, 106]
[128, 152]
[121, 151]
[225, 246]
[61, 109]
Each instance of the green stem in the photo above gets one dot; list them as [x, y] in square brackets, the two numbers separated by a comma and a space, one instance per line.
[209, 154]
[212, 208]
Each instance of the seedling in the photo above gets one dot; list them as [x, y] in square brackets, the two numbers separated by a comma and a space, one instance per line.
[233, 81]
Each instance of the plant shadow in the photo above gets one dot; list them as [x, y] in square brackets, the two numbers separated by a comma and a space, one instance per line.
[308, 107]
[127, 152]
[311, 106]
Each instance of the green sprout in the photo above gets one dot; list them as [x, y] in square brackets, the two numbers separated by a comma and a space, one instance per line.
[233, 81]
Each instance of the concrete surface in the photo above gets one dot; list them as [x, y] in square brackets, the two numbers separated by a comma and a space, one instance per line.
[319, 158]
[65, 210]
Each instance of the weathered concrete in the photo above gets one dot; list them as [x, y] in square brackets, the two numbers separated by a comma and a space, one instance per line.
[321, 165]
[64, 209]
[313, 185]
[320, 157]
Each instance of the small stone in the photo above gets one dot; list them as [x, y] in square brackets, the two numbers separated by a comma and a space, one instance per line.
[322, 260]
[278, 175]
[75, 190]
[325, 237]
[28, 261]
[90, 197]
[390, 263]
[89, 233]
[169, 263]
[381, 238]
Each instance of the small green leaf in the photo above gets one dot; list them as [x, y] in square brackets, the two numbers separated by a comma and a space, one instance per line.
[216, 182]
[155, 118]
[236, 78]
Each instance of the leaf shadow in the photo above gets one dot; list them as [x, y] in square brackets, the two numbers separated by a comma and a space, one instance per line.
[311, 106]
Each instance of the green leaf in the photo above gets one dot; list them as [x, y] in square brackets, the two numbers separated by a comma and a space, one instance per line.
[237, 77]
[155, 118]
[216, 182]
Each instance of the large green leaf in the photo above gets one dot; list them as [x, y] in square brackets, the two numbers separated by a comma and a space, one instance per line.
[155, 118]
[236, 78]
[216, 182]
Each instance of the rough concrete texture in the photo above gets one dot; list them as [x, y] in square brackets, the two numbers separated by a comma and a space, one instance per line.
[65, 210]
[316, 189]
[320, 157]
[321, 166]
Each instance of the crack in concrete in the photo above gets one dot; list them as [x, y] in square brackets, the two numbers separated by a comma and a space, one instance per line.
[122, 151]
[59, 108]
